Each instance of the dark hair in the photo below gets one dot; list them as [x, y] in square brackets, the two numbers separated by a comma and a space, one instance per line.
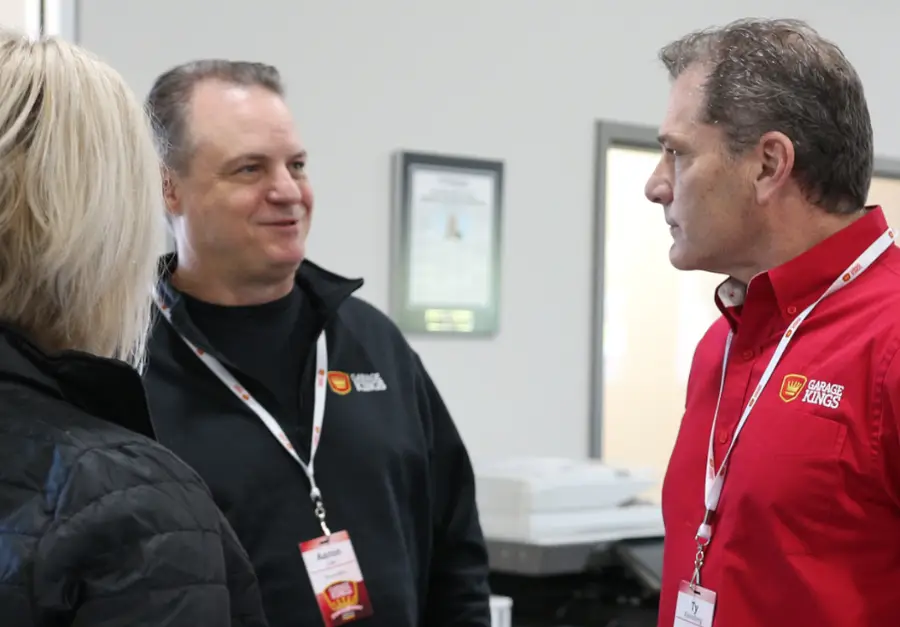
[167, 103]
[781, 75]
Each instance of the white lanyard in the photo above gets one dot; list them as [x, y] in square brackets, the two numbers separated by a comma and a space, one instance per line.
[271, 424]
[715, 480]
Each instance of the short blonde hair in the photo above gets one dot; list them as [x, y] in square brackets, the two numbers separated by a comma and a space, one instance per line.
[81, 213]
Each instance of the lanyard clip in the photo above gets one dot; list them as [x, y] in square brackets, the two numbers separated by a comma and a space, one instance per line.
[316, 496]
[704, 532]
[703, 537]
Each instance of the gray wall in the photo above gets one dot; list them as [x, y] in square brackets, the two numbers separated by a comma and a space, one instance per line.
[520, 80]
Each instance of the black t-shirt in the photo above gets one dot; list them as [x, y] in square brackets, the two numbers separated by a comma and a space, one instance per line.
[268, 344]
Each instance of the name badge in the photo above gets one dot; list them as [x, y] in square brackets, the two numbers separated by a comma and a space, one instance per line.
[336, 579]
[694, 608]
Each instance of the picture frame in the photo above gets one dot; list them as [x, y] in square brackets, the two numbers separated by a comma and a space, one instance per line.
[446, 244]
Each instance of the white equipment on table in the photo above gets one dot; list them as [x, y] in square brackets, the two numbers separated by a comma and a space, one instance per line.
[549, 500]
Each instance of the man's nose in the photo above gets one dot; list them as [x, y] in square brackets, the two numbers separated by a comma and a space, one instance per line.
[658, 189]
[286, 188]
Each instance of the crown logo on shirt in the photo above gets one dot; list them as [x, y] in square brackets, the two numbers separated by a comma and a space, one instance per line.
[791, 386]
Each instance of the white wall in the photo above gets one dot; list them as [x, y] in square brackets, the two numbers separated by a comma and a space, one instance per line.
[521, 80]
[21, 15]
[59, 17]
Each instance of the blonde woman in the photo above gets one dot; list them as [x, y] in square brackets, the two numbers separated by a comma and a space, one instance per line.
[99, 526]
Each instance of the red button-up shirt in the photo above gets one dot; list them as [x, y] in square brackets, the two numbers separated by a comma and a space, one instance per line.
[807, 531]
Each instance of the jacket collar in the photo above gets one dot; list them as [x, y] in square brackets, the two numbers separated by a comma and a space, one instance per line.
[326, 291]
[106, 388]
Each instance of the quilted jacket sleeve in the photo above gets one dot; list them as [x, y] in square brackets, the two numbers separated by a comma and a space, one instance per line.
[243, 588]
[138, 541]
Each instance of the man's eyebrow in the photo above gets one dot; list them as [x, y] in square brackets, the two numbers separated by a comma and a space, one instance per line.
[258, 156]
[299, 156]
[246, 156]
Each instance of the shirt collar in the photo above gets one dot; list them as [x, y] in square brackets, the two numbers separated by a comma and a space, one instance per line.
[799, 282]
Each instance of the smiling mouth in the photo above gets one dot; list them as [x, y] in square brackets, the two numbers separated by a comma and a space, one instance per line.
[284, 223]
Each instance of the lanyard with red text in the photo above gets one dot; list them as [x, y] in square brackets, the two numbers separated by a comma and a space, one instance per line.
[715, 480]
[271, 424]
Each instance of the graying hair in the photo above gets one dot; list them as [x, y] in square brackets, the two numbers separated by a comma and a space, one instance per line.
[781, 75]
[171, 93]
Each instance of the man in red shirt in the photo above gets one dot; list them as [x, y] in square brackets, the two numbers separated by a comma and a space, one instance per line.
[782, 495]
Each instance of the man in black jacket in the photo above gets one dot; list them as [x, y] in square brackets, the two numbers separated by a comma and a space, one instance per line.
[315, 424]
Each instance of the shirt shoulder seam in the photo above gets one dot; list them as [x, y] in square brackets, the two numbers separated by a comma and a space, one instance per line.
[879, 390]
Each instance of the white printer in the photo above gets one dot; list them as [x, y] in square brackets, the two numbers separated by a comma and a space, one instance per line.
[550, 500]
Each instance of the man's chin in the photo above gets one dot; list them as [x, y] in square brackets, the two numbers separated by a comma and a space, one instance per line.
[283, 262]
[680, 260]
[295, 252]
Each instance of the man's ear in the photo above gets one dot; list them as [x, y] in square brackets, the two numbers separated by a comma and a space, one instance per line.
[775, 152]
[171, 192]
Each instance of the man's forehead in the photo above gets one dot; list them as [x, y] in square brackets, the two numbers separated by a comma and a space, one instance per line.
[685, 104]
[218, 104]
[246, 119]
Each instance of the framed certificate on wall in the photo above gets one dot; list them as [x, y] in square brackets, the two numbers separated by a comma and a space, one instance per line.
[446, 248]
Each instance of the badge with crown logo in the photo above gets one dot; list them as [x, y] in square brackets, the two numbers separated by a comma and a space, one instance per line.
[336, 579]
